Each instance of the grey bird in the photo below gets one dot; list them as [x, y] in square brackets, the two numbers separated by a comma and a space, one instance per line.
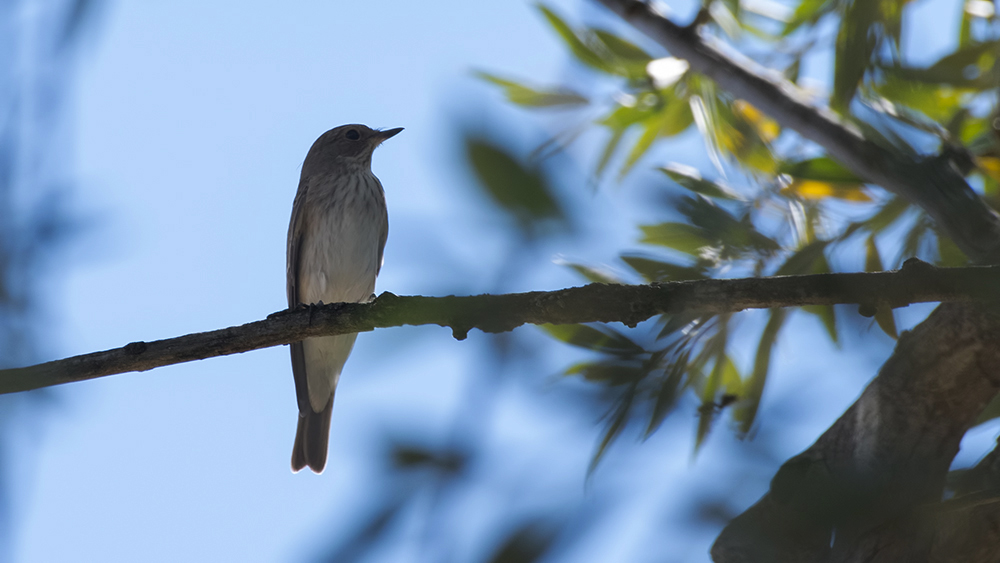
[336, 237]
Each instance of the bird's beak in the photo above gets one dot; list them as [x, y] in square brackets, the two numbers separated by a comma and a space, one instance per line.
[381, 136]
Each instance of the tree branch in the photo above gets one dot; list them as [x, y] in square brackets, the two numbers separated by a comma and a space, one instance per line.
[871, 475]
[931, 183]
[917, 282]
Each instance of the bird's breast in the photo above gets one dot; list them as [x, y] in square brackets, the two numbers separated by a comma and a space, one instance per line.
[340, 252]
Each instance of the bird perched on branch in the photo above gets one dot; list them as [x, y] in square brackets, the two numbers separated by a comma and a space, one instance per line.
[336, 237]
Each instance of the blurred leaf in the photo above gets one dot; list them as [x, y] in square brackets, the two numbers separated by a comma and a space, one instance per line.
[804, 260]
[79, 16]
[814, 189]
[691, 179]
[677, 236]
[618, 420]
[526, 96]
[672, 117]
[599, 338]
[949, 254]
[609, 372]
[991, 411]
[667, 393]
[967, 67]
[747, 413]
[630, 59]
[609, 150]
[827, 314]
[673, 323]
[792, 72]
[521, 190]
[873, 261]
[822, 169]
[989, 165]
[657, 271]
[767, 128]
[914, 238]
[733, 134]
[406, 456]
[594, 274]
[808, 12]
[856, 41]
[938, 103]
[883, 313]
[577, 46]
[735, 235]
[527, 544]
[887, 215]
[886, 319]
[724, 15]
[724, 374]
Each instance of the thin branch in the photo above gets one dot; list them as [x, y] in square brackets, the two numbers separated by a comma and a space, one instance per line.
[917, 282]
[933, 184]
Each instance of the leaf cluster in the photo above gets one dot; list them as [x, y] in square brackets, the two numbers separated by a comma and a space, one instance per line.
[795, 210]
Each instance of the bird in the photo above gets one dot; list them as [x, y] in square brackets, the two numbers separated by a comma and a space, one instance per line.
[336, 238]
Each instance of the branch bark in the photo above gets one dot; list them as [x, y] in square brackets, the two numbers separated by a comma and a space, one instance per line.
[916, 282]
[872, 474]
[933, 183]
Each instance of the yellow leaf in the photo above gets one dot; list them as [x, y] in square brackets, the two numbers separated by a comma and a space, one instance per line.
[989, 165]
[815, 189]
[767, 128]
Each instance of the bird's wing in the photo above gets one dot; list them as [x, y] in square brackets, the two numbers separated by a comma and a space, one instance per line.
[296, 236]
[383, 236]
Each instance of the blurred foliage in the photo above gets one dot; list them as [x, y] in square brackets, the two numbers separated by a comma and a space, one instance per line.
[33, 220]
[794, 210]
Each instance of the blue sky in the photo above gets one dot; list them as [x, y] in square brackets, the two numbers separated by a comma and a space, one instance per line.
[189, 121]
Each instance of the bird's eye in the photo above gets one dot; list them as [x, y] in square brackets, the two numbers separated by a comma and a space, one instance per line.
[352, 134]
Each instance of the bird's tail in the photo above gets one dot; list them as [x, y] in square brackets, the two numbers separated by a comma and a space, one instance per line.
[311, 439]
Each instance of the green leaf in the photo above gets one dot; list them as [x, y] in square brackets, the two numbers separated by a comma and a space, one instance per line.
[873, 261]
[583, 52]
[747, 412]
[887, 215]
[808, 12]
[827, 314]
[593, 274]
[733, 133]
[630, 60]
[677, 236]
[599, 338]
[527, 544]
[609, 150]
[671, 117]
[949, 255]
[531, 97]
[724, 374]
[609, 372]
[991, 411]
[658, 271]
[737, 236]
[885, 317]
[521, 190]
[618, 420]
[804, 260]
[689, 177]
[667, 393]
[823, 169]
[883, 313]
[853, 49]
